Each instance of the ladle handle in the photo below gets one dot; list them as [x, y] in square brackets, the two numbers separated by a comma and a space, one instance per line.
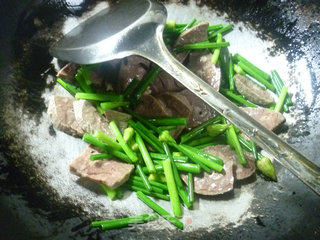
[156, 51]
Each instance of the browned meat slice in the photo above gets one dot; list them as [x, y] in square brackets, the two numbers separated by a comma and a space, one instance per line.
[251, 91]
[195, 34]
[110, 172]
[227, 154]
[152, 107]
[200, 111]
[68, 71]
[266, 117]
[214, 183]
[61, 112]
[89, 118]
[134, 66]
[201, 65]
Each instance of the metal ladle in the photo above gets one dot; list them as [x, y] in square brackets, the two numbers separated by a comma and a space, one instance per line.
[134, 27]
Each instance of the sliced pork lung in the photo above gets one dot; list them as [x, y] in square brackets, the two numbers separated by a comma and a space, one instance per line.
[227, 154]
[68, 71]
[200, 64]
[61, 112]
[152, 107]
[133, 66]
[89, 118]
[266, 117]
[214, 183]
[194, 34]
[251, 91]
[110, 172]
[178, 104]
[200, 111]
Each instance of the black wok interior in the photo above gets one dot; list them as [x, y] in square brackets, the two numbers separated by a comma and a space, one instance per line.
[29, 209]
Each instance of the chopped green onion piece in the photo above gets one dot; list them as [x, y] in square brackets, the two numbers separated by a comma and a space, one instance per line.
[95, 142]
[143, 121]
[216, 129]
[216, 52]
[205, 155]
[131, 154]
[252, 72]
[122, 222]
[222, 31]
[168, 121]
[189, 25]
[183, 167]
[230, 75]
[156, 145]
[162, 128]
[147, 80]
[237, 97]
[232, 139]
[201, 45]
[145, 154]
[197, 130]
[153, 194]
[159, 210]
[239, 58]
[111, 97]
[128, 134]
[172, 188]
[254, 150]
[190, 188]
[141, 185]
[238, 69]
[214, 27]
[86, 74]
[71, 89]
[107, 140]
[152, 183]
[131, 87]
[100, 156]
[111, 105]
[111, 193]
[266, 167]
[161, 156]
[165, 136]
[281, 99]
[82, 82]
[200, 141]
[143, 177]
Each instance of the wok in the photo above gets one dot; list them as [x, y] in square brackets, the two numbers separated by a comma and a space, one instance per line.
[40, 200]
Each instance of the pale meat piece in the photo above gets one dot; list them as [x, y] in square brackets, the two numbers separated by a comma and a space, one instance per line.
[266, 117]
[112, 173]
[200, 111]
[68, 71]
[152, 107]
[60, 110]
[251, 91]
[91, 120]
[201, 65]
